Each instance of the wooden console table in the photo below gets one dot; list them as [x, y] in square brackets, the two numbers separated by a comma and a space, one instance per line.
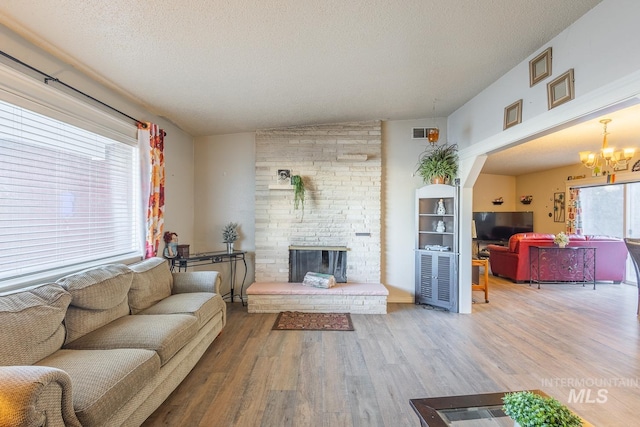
[552, 264]
[206, 258]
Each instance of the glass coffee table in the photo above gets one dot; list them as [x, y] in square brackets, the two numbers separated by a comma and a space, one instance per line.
[473, 410]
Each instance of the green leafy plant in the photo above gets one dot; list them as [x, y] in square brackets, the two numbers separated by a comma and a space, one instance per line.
[298, 191]
[532, 410]
[439, 162]
[230, 232]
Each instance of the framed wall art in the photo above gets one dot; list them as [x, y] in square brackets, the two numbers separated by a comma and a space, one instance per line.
[558, 207]
[560, 90]
[284, 176]
[513, 114]
[540, 67]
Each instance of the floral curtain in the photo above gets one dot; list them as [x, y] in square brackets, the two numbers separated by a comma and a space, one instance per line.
[574, 224]
[151, 144]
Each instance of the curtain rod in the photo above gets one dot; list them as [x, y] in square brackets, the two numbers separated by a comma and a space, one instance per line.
[48, 78]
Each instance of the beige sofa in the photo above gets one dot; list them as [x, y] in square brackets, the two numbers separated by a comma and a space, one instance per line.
[103, 347]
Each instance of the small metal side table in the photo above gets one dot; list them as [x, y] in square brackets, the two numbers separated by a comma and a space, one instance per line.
[571, 264]
[206, 258]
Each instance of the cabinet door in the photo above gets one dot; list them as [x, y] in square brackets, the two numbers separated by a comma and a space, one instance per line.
[436, 279]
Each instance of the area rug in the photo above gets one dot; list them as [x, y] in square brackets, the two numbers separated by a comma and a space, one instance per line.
[295, 320]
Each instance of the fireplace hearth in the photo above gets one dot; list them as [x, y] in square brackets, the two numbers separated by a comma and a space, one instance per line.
[318, 259]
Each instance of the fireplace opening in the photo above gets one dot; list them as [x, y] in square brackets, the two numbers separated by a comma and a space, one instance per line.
[318, 259]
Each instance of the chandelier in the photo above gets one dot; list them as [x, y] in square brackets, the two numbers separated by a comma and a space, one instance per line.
[607, 156]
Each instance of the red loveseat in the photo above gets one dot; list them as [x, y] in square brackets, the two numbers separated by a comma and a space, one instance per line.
[512, 261]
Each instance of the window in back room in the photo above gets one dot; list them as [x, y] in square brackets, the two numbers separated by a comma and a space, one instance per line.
[611, 210]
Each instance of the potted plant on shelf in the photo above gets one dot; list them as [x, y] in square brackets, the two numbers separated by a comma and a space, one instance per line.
[230, 235]
[529, 409]
[439, 165]
[298, 192]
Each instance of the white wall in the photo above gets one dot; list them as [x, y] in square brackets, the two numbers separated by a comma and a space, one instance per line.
[399, 161]
[489, 187]
[178, 144]
[224, 185]
[601, 47]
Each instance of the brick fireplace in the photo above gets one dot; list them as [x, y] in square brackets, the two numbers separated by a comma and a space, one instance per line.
[341, 167]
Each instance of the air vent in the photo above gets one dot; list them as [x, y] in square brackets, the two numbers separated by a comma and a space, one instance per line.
[419, 133]
[422, 133]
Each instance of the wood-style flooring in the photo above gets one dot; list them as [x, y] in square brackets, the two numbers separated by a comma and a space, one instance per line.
[566, 340]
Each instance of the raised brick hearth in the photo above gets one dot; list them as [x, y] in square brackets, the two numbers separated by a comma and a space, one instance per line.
[360, 298]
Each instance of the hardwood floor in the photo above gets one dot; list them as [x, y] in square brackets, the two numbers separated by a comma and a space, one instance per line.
[557, 339]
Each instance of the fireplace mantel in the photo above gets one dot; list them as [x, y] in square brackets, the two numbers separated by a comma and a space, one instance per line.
[319, 248]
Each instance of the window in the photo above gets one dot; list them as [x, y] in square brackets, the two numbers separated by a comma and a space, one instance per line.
[611, 210]
[603, 210]
[68, 197]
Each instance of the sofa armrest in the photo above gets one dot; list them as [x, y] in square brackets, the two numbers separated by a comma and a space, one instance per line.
[196, 281]
[497, 248]
[35, 396]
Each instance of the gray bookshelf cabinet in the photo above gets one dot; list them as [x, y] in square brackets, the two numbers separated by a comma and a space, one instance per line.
[436, 251]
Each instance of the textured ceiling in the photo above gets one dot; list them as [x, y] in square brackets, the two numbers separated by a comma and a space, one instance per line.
[215, 67]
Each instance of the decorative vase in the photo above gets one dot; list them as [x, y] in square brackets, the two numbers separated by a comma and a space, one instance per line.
[440, 227]
[229, 247]
[441, 210]
[439, 180]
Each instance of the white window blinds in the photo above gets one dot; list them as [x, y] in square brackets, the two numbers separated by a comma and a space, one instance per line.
[68, 197]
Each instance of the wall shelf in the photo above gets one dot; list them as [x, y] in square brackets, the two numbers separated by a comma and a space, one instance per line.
[288, 187]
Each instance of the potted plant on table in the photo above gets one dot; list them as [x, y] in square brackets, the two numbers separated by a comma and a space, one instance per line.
[529, 409]
[439, 165]
[230, 235]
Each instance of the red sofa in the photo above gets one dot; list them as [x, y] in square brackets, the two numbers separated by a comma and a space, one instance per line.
[512, 261]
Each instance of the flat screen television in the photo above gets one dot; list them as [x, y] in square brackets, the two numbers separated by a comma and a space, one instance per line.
[499, 226]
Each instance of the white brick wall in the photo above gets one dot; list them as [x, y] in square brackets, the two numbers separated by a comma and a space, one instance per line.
[342, 196]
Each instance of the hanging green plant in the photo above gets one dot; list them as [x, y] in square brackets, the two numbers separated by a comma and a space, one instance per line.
[298, 192]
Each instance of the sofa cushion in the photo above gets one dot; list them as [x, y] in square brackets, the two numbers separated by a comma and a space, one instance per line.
[104, 380]
[203, 305]
[99, 296]
[31, 323]
[164, 334]
[152, 282]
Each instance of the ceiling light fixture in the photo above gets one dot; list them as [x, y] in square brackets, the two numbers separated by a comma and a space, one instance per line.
[607, 156]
